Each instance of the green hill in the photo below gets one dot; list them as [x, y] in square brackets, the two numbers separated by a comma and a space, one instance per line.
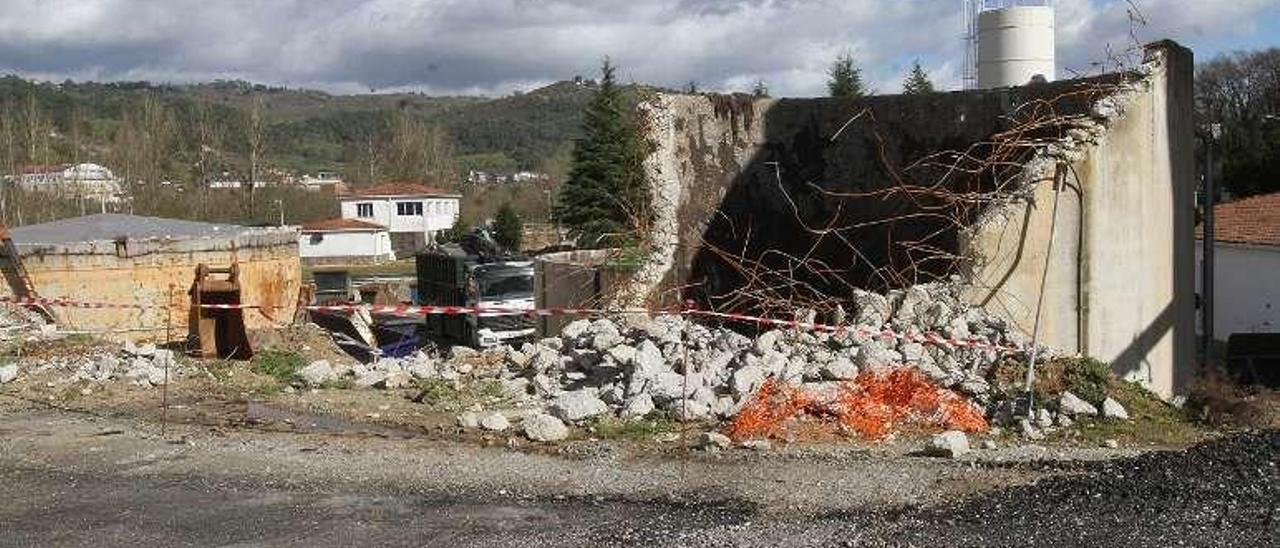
[302, 131]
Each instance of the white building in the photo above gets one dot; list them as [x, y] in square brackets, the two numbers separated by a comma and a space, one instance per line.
[414, 213]
[320, 181]
[1246, 288]
[344, 241]
[85, 179]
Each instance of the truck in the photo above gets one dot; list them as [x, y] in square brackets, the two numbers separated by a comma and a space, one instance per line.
[473, 274]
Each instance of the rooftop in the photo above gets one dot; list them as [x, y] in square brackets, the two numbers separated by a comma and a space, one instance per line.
[114, 226]
[1254, 220]
[337, 225]
[397, 188]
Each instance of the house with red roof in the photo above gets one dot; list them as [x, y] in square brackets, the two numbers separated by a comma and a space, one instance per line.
[413, 213]
[1246, 272]
[344, 242]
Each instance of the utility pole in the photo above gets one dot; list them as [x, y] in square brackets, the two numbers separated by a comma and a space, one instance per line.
[1207, 255]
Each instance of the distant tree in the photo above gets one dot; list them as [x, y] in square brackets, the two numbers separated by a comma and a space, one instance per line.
[419, 151]
[253, 140]
[508, 229]
[760, 89]
[455, 232]
[692, 87]
[917, 81]
[844, 78]
[1241, 93]
[606, 192]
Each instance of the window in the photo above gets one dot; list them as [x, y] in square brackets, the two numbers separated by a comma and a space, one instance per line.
[405, 209]
[364, 210]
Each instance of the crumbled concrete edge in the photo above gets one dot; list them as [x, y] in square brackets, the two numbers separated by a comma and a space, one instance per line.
[1084, 135]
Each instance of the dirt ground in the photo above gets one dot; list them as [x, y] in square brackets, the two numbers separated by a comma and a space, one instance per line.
[229, 457]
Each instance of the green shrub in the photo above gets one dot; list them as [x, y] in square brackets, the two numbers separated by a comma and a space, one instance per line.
[283, 366]
[1087, 378]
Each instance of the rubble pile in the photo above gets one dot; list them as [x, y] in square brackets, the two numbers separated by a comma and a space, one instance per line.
[141, 365]
[679, 367]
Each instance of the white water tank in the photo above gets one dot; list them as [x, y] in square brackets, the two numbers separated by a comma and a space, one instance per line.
[1015, 44]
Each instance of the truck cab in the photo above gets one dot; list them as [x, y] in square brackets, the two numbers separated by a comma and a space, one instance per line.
[500, 286]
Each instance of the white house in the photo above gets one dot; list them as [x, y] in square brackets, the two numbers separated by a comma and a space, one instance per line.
[1246, 273]
[413, 213]
[84, 179]
[320, 181]
[344, 241]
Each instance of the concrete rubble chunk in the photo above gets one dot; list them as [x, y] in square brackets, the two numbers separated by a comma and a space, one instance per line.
[544, 427]
[397, 379]
[714, 440]
[840, 368]
[1071, 404]
[747, 380]
[950, 444]
[638, 406]
[578, 405]
[371, 379]
[1111, 409]
[757, 445]
[8, 373]
[1044, 418]
[1028, 430]
[494, 422]
[317, 373]
[469, 420]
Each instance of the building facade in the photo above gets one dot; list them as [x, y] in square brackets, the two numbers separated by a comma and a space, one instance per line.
[344, 241]
[84, 179]
[1246, 270]
[413, 213]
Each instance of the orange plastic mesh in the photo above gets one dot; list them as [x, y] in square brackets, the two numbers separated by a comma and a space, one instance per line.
[871, 406]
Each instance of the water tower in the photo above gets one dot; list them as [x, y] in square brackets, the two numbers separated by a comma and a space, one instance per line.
[1009, 42]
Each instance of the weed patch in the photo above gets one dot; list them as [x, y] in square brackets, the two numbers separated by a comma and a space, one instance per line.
[283, 366]
[641, 429]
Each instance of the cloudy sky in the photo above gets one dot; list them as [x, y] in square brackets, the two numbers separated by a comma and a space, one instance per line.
[495, 47]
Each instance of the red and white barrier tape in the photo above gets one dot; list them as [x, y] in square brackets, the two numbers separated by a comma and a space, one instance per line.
[883, 334]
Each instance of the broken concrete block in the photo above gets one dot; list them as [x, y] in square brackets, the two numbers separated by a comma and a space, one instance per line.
[714, 440]
[1071, 404]
[1111, 409]
[397, 379]
[317, 373]
[638, 406]
[577, 405]
[543, 427]
[840, 368]
[950, 444]
[494, 422]
[8, 373]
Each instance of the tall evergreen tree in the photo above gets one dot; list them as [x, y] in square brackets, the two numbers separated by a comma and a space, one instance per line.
[845, 78]
[508, 229]
[761, 89]
[917, 81]
[606, 192]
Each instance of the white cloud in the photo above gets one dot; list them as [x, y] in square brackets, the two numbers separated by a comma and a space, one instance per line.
[496, 46]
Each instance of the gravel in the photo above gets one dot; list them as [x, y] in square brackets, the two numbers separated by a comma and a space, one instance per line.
[1221, 493]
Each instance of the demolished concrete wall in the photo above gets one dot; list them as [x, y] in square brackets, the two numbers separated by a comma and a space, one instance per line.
[761, 203]
[156, 272]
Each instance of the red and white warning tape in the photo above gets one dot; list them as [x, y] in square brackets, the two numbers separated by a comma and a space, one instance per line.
[885, 334]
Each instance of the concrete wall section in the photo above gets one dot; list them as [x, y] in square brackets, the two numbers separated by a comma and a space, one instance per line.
[159, 279]
[764, 180]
